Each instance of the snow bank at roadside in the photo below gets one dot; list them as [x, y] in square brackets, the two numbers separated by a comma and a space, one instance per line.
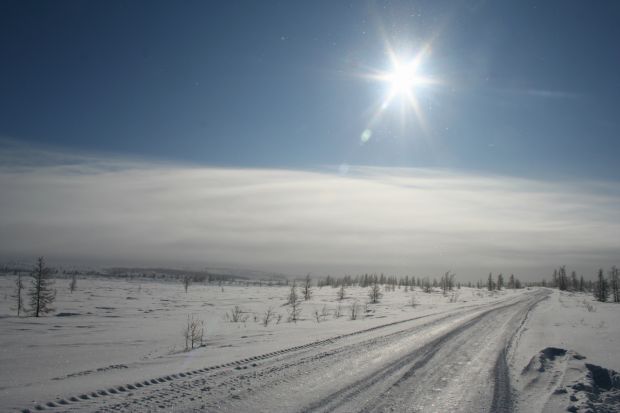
[566, 356]
[562, 380]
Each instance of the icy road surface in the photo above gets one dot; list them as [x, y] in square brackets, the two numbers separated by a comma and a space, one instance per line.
[455, 361]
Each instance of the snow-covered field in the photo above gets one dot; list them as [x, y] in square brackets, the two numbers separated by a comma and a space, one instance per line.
[118, 345]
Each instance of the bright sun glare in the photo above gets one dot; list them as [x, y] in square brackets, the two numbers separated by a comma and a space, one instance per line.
[403, 78]
[405, 81]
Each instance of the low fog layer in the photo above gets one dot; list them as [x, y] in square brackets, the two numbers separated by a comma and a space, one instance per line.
[408, 221]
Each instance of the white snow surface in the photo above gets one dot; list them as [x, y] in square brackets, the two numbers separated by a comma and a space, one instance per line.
[444, 354]
[589, 332]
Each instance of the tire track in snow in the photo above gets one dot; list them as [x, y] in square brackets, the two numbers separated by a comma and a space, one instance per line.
[503, 391]
[167, 391]
[218, 385]
[441, 379]
[394, 380]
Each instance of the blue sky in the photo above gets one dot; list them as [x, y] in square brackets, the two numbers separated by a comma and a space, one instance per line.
[262, 135]
[526, 88]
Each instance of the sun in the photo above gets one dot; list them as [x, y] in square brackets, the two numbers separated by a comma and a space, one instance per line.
[403, 78]
[408, 85]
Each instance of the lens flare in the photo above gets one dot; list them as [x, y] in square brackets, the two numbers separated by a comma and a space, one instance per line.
[366, 135]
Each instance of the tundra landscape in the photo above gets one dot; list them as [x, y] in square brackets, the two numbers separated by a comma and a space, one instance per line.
[309, 206]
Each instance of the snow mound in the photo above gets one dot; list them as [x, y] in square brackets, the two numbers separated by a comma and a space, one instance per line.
[557, 379]
[598, 392]
[545, 360]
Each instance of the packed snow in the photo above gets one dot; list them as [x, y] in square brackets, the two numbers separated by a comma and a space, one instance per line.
[109, 343]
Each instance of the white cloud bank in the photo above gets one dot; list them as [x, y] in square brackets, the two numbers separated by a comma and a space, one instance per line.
[405, 221]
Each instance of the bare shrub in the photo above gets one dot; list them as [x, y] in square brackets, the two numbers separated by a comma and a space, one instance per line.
[354, 310]
[321, 315]
[187, 280]
[589, 306]
[317, 316]
[236, 315]
[338, 311]
[193, 333]
[324, 312]
[268, 316]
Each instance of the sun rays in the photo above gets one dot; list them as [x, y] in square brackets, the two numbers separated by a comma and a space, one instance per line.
[406, 80]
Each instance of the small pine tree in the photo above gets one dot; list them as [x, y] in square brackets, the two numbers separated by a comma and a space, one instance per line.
[490, 283]
[447, 282]
[307, 288]
[292, 295]
[426, 286]
[341, 292]
[500, 281]
[294, 311]
[574, 281]
[614, 284]
[41, 293]
[375, 293]
[73, 284]
[19, 287]
[562, 279]
[601, 289]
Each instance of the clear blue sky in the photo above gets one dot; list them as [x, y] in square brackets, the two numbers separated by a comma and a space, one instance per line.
[526, 87]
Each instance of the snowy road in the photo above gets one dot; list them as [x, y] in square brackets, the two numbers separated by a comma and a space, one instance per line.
[447, 362]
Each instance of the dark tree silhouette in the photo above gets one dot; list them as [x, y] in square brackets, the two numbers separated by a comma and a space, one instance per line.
[341, 292]
[73, 284]
[19, 287]
[490, 283]
[601, 289]
[41, 293]
[614, 284]
[500, 281]
[375, 292]
[307, 289]
[562, 279]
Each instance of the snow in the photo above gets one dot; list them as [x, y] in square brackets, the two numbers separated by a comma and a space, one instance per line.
[575, 335]
[111, 332]
[565, 321]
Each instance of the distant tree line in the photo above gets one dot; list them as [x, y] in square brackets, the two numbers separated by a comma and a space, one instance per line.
[605, 287]
[447, 282]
